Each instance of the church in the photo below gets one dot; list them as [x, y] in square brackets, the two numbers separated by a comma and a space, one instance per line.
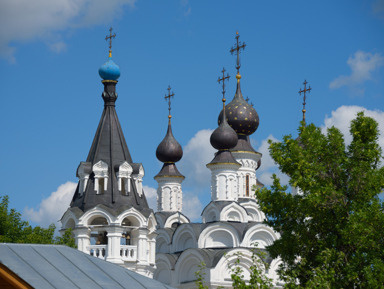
[111, 219]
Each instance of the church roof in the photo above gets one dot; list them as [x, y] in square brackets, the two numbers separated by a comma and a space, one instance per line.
[109, 147]
[56, 266]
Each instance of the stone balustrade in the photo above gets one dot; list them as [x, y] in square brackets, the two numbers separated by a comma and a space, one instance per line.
[127, 252]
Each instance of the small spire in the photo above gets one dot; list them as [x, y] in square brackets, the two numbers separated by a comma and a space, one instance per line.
[304, 96]
[223, 80]
[110, 40]
[168, 98]
[237, 49]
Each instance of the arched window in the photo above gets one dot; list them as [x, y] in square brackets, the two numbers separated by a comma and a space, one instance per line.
[247, 185]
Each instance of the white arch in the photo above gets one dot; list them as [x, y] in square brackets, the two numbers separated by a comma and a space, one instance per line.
[184, 238]
[68, 217]
[210, 213]
[93, 213]
[218, 235]
[260, 234]
[234, 212]
[176, 217]
[139, 219]
[222, 269]
[187, 264]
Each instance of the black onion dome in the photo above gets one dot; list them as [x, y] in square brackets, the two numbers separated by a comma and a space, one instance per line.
[223, 137]
[169, 150]
[241, 116]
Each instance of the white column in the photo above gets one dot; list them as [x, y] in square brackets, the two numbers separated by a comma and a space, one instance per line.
[114, 235]
[140, 235]
[152, 248]
[82, 238]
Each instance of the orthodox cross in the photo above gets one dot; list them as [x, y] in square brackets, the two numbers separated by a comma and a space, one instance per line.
[223, 80]
[236, 49]
[168, 98]
[110, 40]
[304, 99]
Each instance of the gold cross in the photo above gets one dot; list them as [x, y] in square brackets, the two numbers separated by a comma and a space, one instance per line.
[168, 98]
[236, 49]
[304, 98]
[223, 80]
[110, 40]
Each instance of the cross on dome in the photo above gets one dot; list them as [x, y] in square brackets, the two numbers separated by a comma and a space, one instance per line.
[304, 96]
[168, 98]
[223, 80]
[110, 40]
[236, 49]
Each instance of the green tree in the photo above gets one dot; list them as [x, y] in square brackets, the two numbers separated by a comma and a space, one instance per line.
[15, 230]
[332, 234]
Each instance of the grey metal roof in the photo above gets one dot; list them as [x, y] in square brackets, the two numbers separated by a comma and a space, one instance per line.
[109, 146]
[56, 266]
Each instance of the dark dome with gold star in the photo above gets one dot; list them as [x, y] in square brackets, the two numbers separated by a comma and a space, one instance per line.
[241, 116]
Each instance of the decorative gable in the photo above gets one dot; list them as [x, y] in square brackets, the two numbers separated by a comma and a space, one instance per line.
[83, 171]
[100, 169]
[123, 174]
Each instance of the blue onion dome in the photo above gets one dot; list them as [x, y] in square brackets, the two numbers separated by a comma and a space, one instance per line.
[169, 150]
[109, 70]
[241, 116]
[223, 137]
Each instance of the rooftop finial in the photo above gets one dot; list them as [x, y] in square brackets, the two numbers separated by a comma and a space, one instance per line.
[304, 98]
[110, 40]
[223, 80]
[168, 98]
[237, 49]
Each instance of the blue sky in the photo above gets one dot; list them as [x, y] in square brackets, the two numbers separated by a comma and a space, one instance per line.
[50, 52]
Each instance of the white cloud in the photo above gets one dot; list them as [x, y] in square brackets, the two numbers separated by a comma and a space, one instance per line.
[192, 207]
[341, 118]
[52, 208]
[25, 20]
[268, 165]
[197, 153]
[362, 65]
[151, 195]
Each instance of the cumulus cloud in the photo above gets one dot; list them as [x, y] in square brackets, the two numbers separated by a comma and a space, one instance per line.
[151, 195]
[197, 153]
[341, 118]
[192, 207]
[24, 20]
[52, 208]
[362, 65]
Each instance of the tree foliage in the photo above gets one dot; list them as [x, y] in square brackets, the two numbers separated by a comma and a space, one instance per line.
[15, 230]
[332, 233]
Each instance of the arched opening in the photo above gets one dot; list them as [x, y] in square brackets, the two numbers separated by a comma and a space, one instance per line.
[130, 221]
[99, 221]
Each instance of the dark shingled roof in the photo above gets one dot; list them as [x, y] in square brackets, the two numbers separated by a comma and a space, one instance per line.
[169, 170]
[109, 146]
[223, 157]
[61, 267]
